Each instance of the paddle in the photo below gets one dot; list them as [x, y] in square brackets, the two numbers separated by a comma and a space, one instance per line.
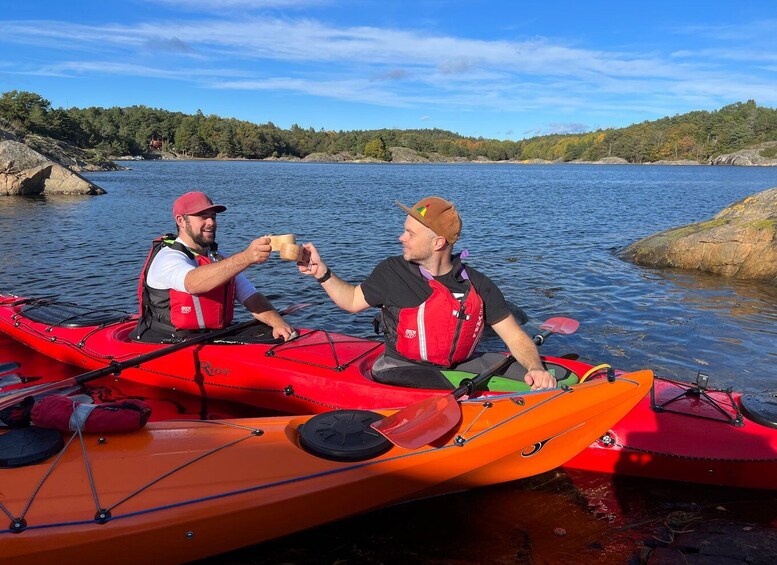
[425, 421]
[116, 367]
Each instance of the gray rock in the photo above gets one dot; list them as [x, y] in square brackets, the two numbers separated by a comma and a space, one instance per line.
[740, 241]
[748, 157]
[328, 157]
[69, 156]
[24, 171]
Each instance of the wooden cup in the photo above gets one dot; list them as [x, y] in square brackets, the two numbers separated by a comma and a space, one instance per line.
[294, 252]
[276, 241]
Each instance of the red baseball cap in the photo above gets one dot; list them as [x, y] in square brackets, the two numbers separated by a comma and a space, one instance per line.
[195, 203]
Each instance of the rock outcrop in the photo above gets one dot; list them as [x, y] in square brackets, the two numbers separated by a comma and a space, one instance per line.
[68, 155]
[341, 157]
[762, 155]
[740, 241]
[24, 171]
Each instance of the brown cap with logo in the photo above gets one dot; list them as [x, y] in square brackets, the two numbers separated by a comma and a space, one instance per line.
[438, 215]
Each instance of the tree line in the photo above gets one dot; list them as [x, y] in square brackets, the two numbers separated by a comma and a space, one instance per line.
[139, 130]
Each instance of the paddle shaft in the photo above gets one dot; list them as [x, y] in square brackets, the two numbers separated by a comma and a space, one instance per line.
[116, 367]
[469, 386]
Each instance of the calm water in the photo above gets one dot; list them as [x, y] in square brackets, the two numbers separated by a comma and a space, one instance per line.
[546, 234]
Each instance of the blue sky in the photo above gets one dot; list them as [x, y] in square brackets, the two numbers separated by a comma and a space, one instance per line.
[496, 69]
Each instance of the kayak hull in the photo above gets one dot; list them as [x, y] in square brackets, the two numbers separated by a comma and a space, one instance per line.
[177, 491]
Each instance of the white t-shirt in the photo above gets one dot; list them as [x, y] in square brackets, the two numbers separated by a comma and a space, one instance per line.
[169, 267]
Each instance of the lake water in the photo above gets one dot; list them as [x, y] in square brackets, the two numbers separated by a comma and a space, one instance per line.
[547, 235]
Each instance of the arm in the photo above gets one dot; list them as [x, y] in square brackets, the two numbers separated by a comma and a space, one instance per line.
[262, 310]
[347, 296]
[525, 352]
[207, 277]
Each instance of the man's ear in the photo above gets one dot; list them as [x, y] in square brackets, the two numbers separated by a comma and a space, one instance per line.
[439, 243]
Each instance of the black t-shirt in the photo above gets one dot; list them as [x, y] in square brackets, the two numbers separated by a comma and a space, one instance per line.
[400, 284]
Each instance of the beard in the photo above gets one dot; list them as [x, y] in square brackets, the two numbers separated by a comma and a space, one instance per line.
[202, 239]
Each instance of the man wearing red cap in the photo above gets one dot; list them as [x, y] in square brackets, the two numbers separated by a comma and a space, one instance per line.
[434, 308]
[187, 287]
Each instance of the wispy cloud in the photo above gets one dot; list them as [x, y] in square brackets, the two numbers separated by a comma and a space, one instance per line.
[218, 6]
[403, 67]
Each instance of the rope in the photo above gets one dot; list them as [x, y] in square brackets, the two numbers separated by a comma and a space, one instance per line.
[593, 370]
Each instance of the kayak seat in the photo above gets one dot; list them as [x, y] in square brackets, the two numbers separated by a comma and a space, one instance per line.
[511, 380]
[68, 315]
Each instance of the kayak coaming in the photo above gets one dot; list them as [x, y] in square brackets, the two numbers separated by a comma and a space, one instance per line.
[243, 487]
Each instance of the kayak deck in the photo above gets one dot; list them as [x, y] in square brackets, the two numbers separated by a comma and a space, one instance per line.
[185, 490]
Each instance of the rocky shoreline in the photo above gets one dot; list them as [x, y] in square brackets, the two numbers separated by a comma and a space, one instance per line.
[403, 155]
[35, 165]
[737, 242]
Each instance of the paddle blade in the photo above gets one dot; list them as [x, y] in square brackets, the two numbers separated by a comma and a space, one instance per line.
[421, 423]
[564, 326]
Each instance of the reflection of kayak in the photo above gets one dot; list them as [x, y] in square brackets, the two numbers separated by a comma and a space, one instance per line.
[178, 491]
[316, 372]
[690, 440]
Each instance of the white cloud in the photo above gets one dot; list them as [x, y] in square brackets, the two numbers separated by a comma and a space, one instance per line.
[399, 67]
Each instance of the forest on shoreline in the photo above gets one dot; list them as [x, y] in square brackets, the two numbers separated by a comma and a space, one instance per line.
[108, 133]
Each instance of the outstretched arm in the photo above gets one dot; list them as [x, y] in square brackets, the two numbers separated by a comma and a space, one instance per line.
[347, 296]
[525, 352]
[207, 277]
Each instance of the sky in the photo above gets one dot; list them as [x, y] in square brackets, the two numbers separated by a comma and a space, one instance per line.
[497, 69]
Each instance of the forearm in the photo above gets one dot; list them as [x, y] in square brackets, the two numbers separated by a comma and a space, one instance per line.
[521, 346]
[207, 277]
[258, 305]
[344, 294]
[525, 351]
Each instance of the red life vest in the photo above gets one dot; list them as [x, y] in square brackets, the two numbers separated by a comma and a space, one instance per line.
[442, 330]
[172, 310]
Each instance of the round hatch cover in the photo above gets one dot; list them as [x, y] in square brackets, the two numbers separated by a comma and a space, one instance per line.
[343, 435]
[27, 446]
[760, 408]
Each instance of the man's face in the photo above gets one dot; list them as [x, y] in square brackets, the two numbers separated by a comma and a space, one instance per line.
[201, 228]
[417, 241]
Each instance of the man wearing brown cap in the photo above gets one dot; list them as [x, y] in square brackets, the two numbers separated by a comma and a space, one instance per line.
[434, 308]
[187, 287]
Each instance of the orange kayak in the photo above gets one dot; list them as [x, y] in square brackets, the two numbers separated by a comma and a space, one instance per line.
[177, 491]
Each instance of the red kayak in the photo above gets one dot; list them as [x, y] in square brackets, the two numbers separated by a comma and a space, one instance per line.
[316, 372]
[681, 431]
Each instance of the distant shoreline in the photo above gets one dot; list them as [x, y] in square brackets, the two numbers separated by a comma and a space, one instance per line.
[437, 162]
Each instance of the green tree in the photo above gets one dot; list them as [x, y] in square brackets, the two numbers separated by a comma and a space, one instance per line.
[377, 148]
